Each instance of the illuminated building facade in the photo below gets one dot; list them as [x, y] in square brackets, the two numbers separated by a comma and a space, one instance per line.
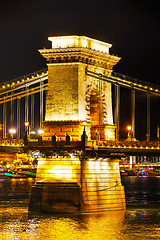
[73, 97]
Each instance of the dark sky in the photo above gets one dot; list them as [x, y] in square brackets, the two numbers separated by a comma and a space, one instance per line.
[131, 26]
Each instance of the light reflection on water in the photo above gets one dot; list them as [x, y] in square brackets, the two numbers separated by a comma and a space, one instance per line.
[17, 224]
[133, 224]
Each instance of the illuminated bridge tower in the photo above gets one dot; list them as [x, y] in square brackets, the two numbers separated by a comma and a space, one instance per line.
[69, 180]
[73, 98]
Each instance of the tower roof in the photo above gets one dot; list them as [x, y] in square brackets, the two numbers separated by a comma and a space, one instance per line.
[79, 41]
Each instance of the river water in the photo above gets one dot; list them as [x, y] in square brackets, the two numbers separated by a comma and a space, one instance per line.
[141, 220]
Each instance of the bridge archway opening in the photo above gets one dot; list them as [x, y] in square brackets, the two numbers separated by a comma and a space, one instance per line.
[97, 128]
[94, 108]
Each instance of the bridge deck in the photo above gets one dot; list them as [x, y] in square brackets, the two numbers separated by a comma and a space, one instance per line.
[103, 148]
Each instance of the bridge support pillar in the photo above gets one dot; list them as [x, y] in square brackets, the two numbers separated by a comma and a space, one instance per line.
[4, 118]
[32, 112]
[100, 109]
[12, 112]
[18, 117]
[88, 185]
[117, 111]
[148, 118]
[133, 112]
[132, 161]
[26, 104]
[41, 103]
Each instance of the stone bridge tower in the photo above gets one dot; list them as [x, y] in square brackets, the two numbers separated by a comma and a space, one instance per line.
[73, 98]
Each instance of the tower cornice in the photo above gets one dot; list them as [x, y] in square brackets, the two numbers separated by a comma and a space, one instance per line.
[78, 54]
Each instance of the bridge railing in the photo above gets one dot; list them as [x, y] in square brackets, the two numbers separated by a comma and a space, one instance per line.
[24, 77]
[135, 80]
[131, 144]
[11, 142]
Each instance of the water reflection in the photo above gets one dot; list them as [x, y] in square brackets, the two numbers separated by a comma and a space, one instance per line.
[15, 223]
[133, 224]
[141, 190]
[99, 226]
[83, 227]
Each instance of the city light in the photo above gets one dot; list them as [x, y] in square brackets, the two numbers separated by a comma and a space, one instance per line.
[129, 128]
[84, 123]
[26, 124]
[12, 131]
[33, 132]
[40, 131]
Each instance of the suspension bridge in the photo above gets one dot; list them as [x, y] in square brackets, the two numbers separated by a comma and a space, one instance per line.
[80, 141]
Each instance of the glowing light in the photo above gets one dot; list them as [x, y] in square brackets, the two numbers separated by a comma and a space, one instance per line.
[8, 85]
[33, 132]
[84, 123]
[61, 172]
[3, 86]
[129, 128]
[26, 124]
[40, 131]
[12, 130]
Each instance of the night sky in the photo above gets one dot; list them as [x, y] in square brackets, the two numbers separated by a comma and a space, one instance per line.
[131, 26]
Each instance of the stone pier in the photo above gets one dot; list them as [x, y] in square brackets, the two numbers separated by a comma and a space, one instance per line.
[77, 185]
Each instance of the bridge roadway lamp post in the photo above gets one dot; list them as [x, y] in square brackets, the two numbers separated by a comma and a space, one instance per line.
[27, 128]
[40, 132]
[83, 137]
[129, 134]
[12, 131]
[32, 134]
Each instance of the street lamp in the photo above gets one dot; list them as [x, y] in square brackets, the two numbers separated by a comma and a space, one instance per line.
[33, 132]
[26, 124]
[40, 132]
[84, 124]
[12, 131]
[129, 128]
[26, 128]
[83, 137]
